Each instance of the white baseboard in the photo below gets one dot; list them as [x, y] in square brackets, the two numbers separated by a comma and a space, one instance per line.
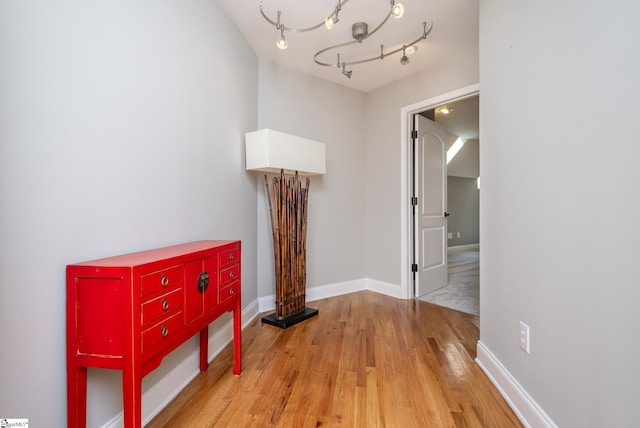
[268, 303]
[336, 289]
[386, 288]
[116, 422]
[166, 389]
[465, 247]
[528, 411]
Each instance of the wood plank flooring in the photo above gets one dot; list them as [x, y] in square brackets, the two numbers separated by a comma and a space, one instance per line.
[367, 360]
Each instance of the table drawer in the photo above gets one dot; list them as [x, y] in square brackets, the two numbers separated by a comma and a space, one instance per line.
[229, 257]
[161, 305]
[229, 292]
[162, 280]
[229, 275]
[162, 333]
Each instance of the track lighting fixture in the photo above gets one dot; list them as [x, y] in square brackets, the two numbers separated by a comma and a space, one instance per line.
[282, 42]
[360, 32]
[333, 19]
[397, 10]
[405, 59]
[345, 72]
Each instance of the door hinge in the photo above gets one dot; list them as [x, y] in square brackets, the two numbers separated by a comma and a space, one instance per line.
[414, 134]
[414, 201]
[414, 267]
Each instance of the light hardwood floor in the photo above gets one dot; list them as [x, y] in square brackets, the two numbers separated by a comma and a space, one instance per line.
[367, 360]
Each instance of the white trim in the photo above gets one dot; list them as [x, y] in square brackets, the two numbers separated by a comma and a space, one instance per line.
[268, 303]
[167, 388]
[116, 422]
[393, 290]
[465, 247]
[528, 411]
[336, 289]
[405, 175]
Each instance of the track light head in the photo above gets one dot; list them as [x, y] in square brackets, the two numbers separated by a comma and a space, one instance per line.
[397, 10]
[282, 42]
[330, 21]
[345, 72]
[405, 59]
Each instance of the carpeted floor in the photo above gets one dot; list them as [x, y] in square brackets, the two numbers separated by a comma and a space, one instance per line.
[462, 293]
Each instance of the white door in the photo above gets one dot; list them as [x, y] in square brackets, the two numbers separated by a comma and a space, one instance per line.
[430, 242]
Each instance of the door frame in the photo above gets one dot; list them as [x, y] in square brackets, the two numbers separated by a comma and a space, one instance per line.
[406, 159]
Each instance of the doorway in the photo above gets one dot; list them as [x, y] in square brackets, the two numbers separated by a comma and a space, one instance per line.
[457, 239]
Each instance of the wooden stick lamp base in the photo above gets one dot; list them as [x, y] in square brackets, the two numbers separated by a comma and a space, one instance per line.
[288, 214]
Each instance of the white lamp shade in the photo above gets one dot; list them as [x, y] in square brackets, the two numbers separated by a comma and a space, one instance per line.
[271, 151]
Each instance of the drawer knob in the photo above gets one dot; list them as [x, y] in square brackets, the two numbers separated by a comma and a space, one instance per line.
[165, 304]
[165, 331]
[231, 274]
[230, 256]
[164, 280]
[231, 291]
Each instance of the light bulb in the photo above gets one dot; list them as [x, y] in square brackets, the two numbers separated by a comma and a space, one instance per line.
[397, 10]
[328, 22]
[282, 43]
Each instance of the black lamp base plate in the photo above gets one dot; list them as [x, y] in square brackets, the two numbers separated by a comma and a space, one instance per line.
[291, 319]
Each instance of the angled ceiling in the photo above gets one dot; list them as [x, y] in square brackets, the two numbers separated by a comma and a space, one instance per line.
[464, 120]
[455, 30]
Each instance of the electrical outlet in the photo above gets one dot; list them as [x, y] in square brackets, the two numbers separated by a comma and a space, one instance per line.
[524, 337]
[450, 235]
[458, 234]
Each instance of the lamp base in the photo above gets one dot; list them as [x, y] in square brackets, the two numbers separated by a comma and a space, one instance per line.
[291, 320]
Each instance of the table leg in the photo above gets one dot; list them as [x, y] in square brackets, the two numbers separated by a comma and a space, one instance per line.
[237, 339]
[76, 396]
[132, 399]
[204, 349]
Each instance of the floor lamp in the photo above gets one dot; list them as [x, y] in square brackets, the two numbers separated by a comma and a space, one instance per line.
[289, 157]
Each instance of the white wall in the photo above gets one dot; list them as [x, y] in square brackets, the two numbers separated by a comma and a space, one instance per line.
[298, 104]
[463, 203]
[466, 163]
[121, 129]
[559, 203]
[383, 160]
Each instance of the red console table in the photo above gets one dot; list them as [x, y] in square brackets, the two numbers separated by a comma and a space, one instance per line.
[127, 312]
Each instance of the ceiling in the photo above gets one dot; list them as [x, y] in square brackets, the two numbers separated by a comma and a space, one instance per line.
[455, 30]
[464, 120]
